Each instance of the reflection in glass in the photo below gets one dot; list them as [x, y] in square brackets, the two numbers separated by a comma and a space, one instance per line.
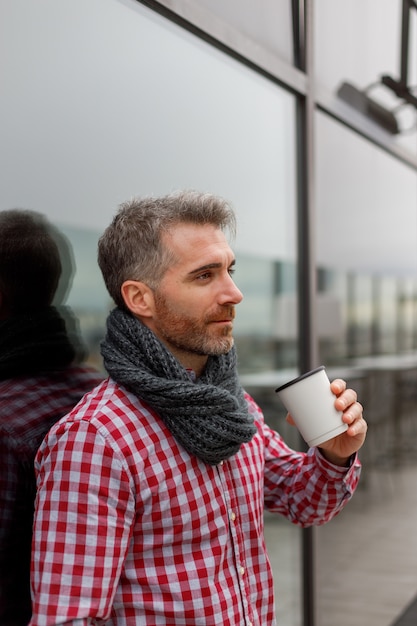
[88, 297]
[366, 247]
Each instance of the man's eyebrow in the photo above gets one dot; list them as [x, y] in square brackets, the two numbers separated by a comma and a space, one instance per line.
[210, 266]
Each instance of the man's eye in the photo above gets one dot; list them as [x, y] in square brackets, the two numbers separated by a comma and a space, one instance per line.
[204, 276]
[232, 270]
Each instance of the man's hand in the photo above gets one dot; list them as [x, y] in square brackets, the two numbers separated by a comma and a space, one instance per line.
[339, 449]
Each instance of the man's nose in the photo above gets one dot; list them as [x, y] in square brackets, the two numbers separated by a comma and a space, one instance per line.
[232, 294]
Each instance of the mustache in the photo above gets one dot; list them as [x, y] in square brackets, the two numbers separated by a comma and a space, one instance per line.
[227, 312]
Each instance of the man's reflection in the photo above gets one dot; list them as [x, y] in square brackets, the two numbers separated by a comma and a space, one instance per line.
[41, 379]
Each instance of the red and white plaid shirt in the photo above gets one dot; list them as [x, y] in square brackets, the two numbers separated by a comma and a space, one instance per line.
[130, 529]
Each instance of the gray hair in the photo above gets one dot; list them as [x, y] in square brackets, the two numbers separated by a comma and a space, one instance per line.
[131, 247]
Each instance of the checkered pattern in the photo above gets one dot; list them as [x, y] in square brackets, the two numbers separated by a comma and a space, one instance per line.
[29, 406]
[130, 529]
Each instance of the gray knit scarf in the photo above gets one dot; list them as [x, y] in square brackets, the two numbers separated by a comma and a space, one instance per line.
[209, 417]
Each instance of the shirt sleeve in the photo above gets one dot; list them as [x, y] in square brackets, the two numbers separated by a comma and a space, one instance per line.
[83, 519]
[303, 486]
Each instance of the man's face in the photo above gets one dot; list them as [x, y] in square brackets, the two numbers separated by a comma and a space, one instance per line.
[194, 305]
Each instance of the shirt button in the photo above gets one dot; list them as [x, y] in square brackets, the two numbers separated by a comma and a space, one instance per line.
[232, 516]
[221, 462]
[242, 570]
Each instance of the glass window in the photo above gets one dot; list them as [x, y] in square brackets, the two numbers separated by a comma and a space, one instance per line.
[366, 240]
[266, 22]
[366, 199]
[407, 319]
[88, 297]
[360, 315]
[106, 100]
[386, 316]
[375, 30]
[358, 43]
[130, 115]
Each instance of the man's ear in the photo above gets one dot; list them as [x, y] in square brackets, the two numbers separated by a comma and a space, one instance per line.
[138, 298]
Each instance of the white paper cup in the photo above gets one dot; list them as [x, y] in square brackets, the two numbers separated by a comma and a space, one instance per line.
[310, 402]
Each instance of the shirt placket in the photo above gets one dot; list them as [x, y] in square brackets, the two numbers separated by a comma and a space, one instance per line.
[237, 540]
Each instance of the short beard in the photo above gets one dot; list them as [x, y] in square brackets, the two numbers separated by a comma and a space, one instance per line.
[209, 348]
[186, 334]
[201, 346]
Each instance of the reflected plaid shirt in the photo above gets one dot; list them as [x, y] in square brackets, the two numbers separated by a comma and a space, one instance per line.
[130, 529]
[29, 406]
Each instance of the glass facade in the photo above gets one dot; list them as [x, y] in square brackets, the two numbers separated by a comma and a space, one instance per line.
[366, 233]
[265, 22]
[359, 44]
[109, 99]
[130, 115]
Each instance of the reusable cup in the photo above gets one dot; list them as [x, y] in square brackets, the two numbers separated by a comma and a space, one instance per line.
[310, 401]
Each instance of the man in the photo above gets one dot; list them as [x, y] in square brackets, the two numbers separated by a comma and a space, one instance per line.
[39, 383]
[152, 490]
